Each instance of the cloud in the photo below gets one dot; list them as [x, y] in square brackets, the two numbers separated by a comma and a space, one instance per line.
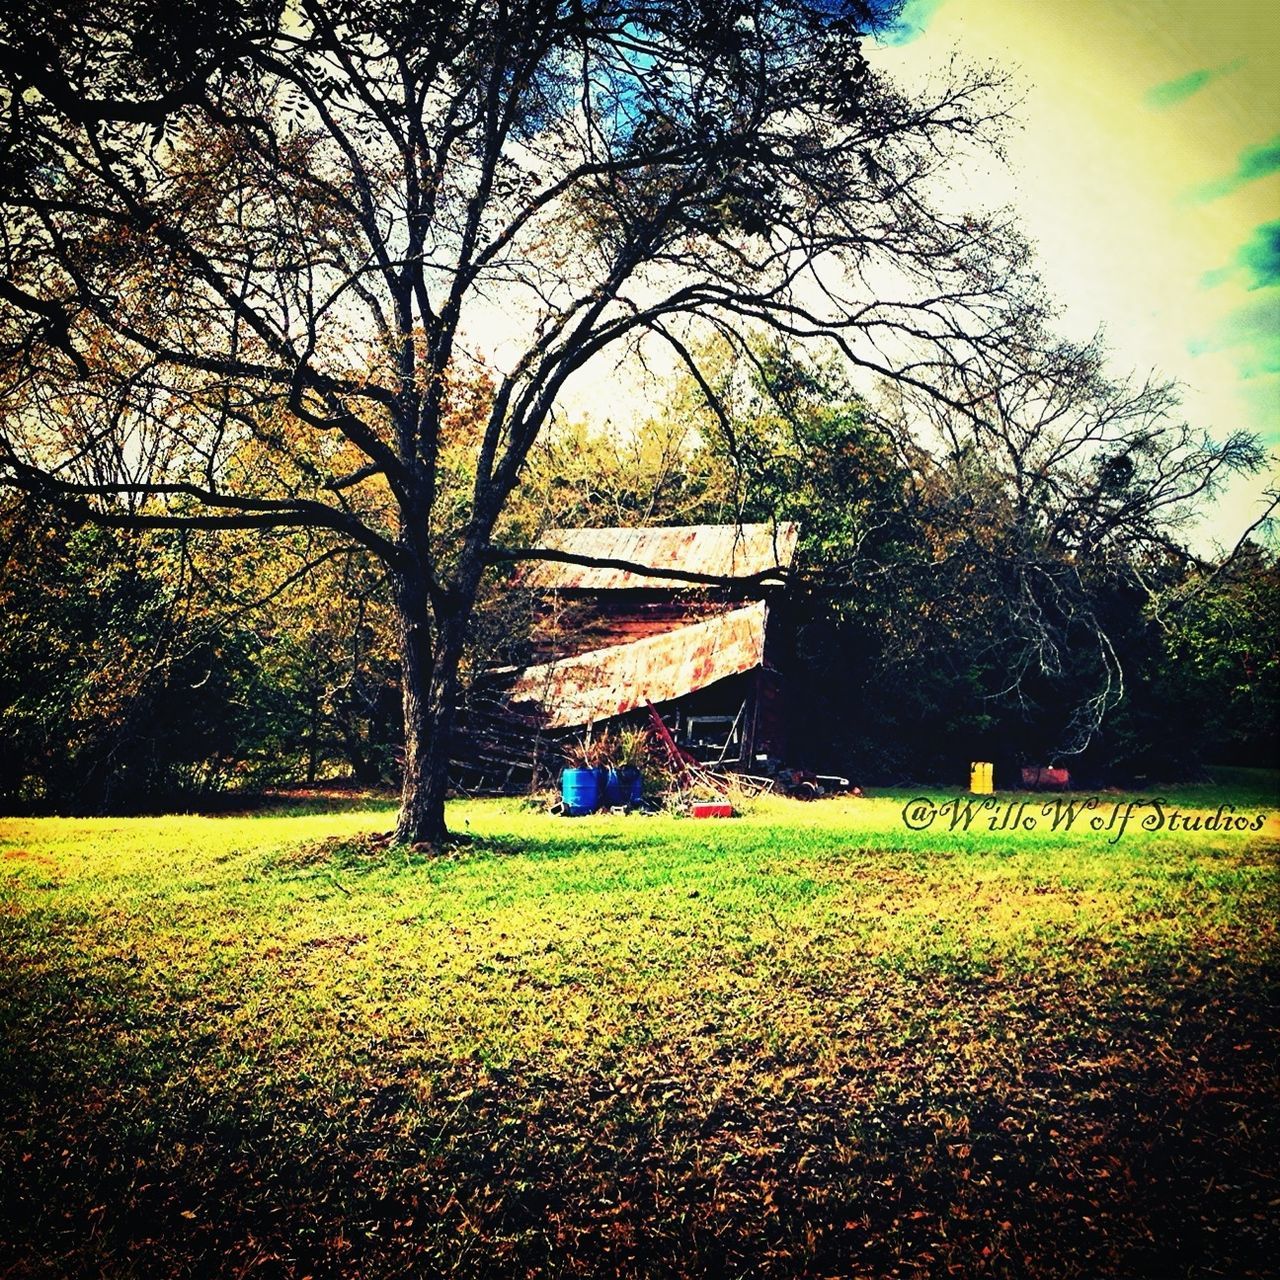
[1251, 333]
[1260, 256]
[901, 26]
[1254, 162]
[1171, 92]
[1258, 260]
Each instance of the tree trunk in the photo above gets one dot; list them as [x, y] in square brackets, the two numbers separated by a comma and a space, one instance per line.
[429, 675]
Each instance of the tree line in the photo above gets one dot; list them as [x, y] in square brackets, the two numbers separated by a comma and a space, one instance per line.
[313, 277]
[935, 618]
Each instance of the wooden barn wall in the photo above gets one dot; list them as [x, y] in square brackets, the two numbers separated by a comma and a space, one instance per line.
[769, 729]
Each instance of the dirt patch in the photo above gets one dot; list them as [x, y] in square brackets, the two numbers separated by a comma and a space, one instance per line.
[25, 855]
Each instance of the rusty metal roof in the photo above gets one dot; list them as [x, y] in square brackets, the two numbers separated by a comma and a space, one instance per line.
[610, 682]
[725, 550]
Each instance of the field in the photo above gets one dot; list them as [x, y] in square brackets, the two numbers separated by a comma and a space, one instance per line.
[810, 1041]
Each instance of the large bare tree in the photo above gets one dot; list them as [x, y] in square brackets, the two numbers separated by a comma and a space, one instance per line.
[251, 253]
[1061, 488]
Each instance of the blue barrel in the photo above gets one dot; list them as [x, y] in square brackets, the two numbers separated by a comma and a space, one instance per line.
[580, 790]
[623, 786]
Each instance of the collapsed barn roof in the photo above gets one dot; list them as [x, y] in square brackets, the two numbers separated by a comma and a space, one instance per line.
[612, 681]
[613, 635]
[754, 552]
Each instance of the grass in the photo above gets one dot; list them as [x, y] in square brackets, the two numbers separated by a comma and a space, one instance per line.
[810, 1041]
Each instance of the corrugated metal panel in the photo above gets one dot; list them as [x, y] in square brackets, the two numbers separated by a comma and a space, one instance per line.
[610, 682]
[726, 550]
[602, 619]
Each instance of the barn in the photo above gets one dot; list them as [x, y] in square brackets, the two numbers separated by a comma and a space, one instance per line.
[706, 650]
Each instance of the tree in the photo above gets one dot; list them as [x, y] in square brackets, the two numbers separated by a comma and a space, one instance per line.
[255, 256]
[1221, 624]
[979, 580]
[322, 617]
[1057, 503]
[121, 684]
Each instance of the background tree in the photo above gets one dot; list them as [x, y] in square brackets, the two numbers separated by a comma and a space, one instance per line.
[1220, 624]
[120, 687]
[322, 612]
[1073, 486]
[978, 582]
[249, 256]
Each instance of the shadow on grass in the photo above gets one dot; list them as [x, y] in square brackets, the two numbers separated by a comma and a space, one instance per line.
[299, 801]
[355, 856]
[1138, 1144]
[291, 801]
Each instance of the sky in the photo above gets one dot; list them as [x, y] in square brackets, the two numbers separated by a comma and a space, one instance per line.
[1145, 167]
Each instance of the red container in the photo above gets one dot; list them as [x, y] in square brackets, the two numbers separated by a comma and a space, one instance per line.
[711, 810]
[1042, 778]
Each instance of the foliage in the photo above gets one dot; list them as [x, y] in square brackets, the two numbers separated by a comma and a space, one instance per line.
[607, 478]
[980, 569]
[143, 667]
[330, 610]
[116, 690]
[592, 751]
[807, 1040]
[635, 748]
[1064, 496]
[626, 747]
[1223, 641]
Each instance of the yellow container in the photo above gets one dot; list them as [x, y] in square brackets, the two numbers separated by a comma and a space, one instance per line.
[980, 778]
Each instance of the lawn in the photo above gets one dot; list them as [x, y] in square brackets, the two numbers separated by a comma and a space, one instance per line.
[809, 1041]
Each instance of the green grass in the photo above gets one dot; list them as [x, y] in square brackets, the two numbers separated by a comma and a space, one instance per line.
[809, 1041]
